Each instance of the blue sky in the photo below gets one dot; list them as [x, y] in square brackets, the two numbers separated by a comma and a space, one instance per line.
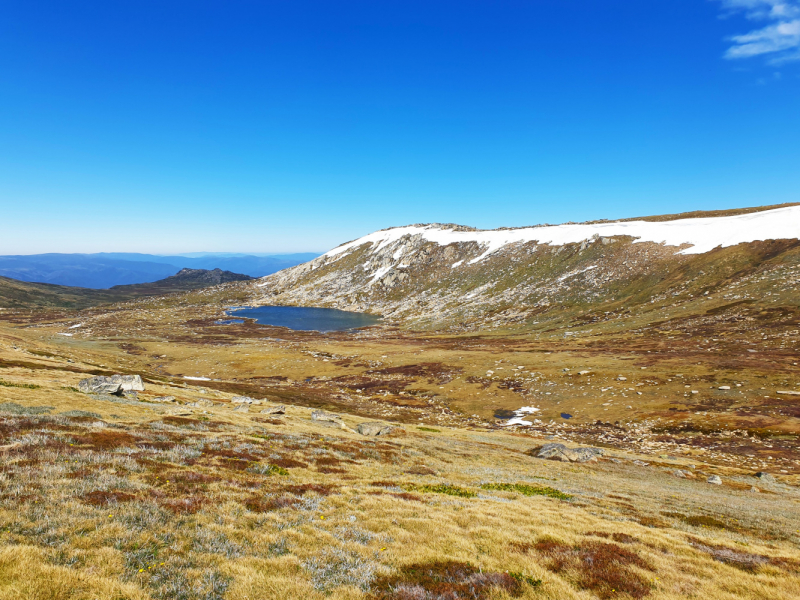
[275, 126]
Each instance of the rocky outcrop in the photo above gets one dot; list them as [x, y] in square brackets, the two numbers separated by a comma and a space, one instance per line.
[561, 453]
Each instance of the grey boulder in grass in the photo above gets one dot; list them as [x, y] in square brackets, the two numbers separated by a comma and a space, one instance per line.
[116, 384]
[374, 428]
[562, 453]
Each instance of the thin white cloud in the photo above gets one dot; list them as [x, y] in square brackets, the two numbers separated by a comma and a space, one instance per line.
[778, 39]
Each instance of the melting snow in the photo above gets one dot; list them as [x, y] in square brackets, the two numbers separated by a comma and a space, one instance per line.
[703, 234]
[75, 326]
[518, 420]
[380, 273]
[573, 273]
[456, 264]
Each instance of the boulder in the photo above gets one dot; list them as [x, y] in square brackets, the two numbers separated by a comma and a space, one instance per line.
[242, 400]
[163, 399]
[129, 383]
[99, 385]
[201, 402]
[767, 477]
[274, 410]
[715, 479]
[561, 453]
[116, 384]
[322, 417]
[374, 428]
[242, 408]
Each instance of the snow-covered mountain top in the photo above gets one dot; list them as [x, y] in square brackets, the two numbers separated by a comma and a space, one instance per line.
[704, 234]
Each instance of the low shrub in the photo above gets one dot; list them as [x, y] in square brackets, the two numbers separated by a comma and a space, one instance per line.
[442, 488]
[527, 490]
[446, 580]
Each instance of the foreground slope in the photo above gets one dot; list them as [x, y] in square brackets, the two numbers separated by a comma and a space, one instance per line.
[121, 498]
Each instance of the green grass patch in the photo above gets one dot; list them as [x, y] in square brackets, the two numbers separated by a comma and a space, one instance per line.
[442, 488]
[431, 429]
[26, 386]
[527, 490]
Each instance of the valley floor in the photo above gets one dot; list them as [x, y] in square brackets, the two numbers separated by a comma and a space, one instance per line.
[107, 497]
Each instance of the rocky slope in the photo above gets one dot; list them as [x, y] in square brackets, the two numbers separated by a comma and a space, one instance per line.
[461, 278]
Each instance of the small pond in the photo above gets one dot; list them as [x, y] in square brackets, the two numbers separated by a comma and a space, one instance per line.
[303, 318]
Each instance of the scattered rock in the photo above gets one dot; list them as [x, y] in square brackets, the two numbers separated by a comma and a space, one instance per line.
[724, 387]
[374, 428]
[755, 490]
[561, 453]
[244, 400]
[202, 402]
[765, 477]
[621, 378]
[274, 410]
[715, 479]
[641, 463]
[326, 418]
[163, 399]
[242, 408]
[683, 474]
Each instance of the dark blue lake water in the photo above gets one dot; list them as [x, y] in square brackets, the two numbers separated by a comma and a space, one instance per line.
[304, 318]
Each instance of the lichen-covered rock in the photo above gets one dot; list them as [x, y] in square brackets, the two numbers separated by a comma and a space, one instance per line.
[99, 385]
[116, 384]
[561, 453]
[274, 410]
[129, 383]
[715, 479]
[326, 418]
[374, 428]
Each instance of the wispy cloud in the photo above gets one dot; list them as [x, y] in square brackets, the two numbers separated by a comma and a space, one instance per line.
[779, 37]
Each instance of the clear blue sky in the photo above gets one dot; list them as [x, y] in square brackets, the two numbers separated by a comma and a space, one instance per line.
[281, 126]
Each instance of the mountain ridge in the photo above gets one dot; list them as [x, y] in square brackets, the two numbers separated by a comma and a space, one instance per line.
[461, 278]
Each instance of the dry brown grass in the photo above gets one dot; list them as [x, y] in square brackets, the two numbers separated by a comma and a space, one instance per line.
[139, 503]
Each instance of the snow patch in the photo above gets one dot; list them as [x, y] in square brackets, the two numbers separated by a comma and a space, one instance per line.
[196, 378]
[75, 326]
[380, 273]
[521, 412]
[578, 272]
[702, 234]
[456, 264]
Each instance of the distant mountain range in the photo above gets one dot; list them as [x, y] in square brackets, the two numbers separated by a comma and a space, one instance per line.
[108, 269]
[16, 294]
